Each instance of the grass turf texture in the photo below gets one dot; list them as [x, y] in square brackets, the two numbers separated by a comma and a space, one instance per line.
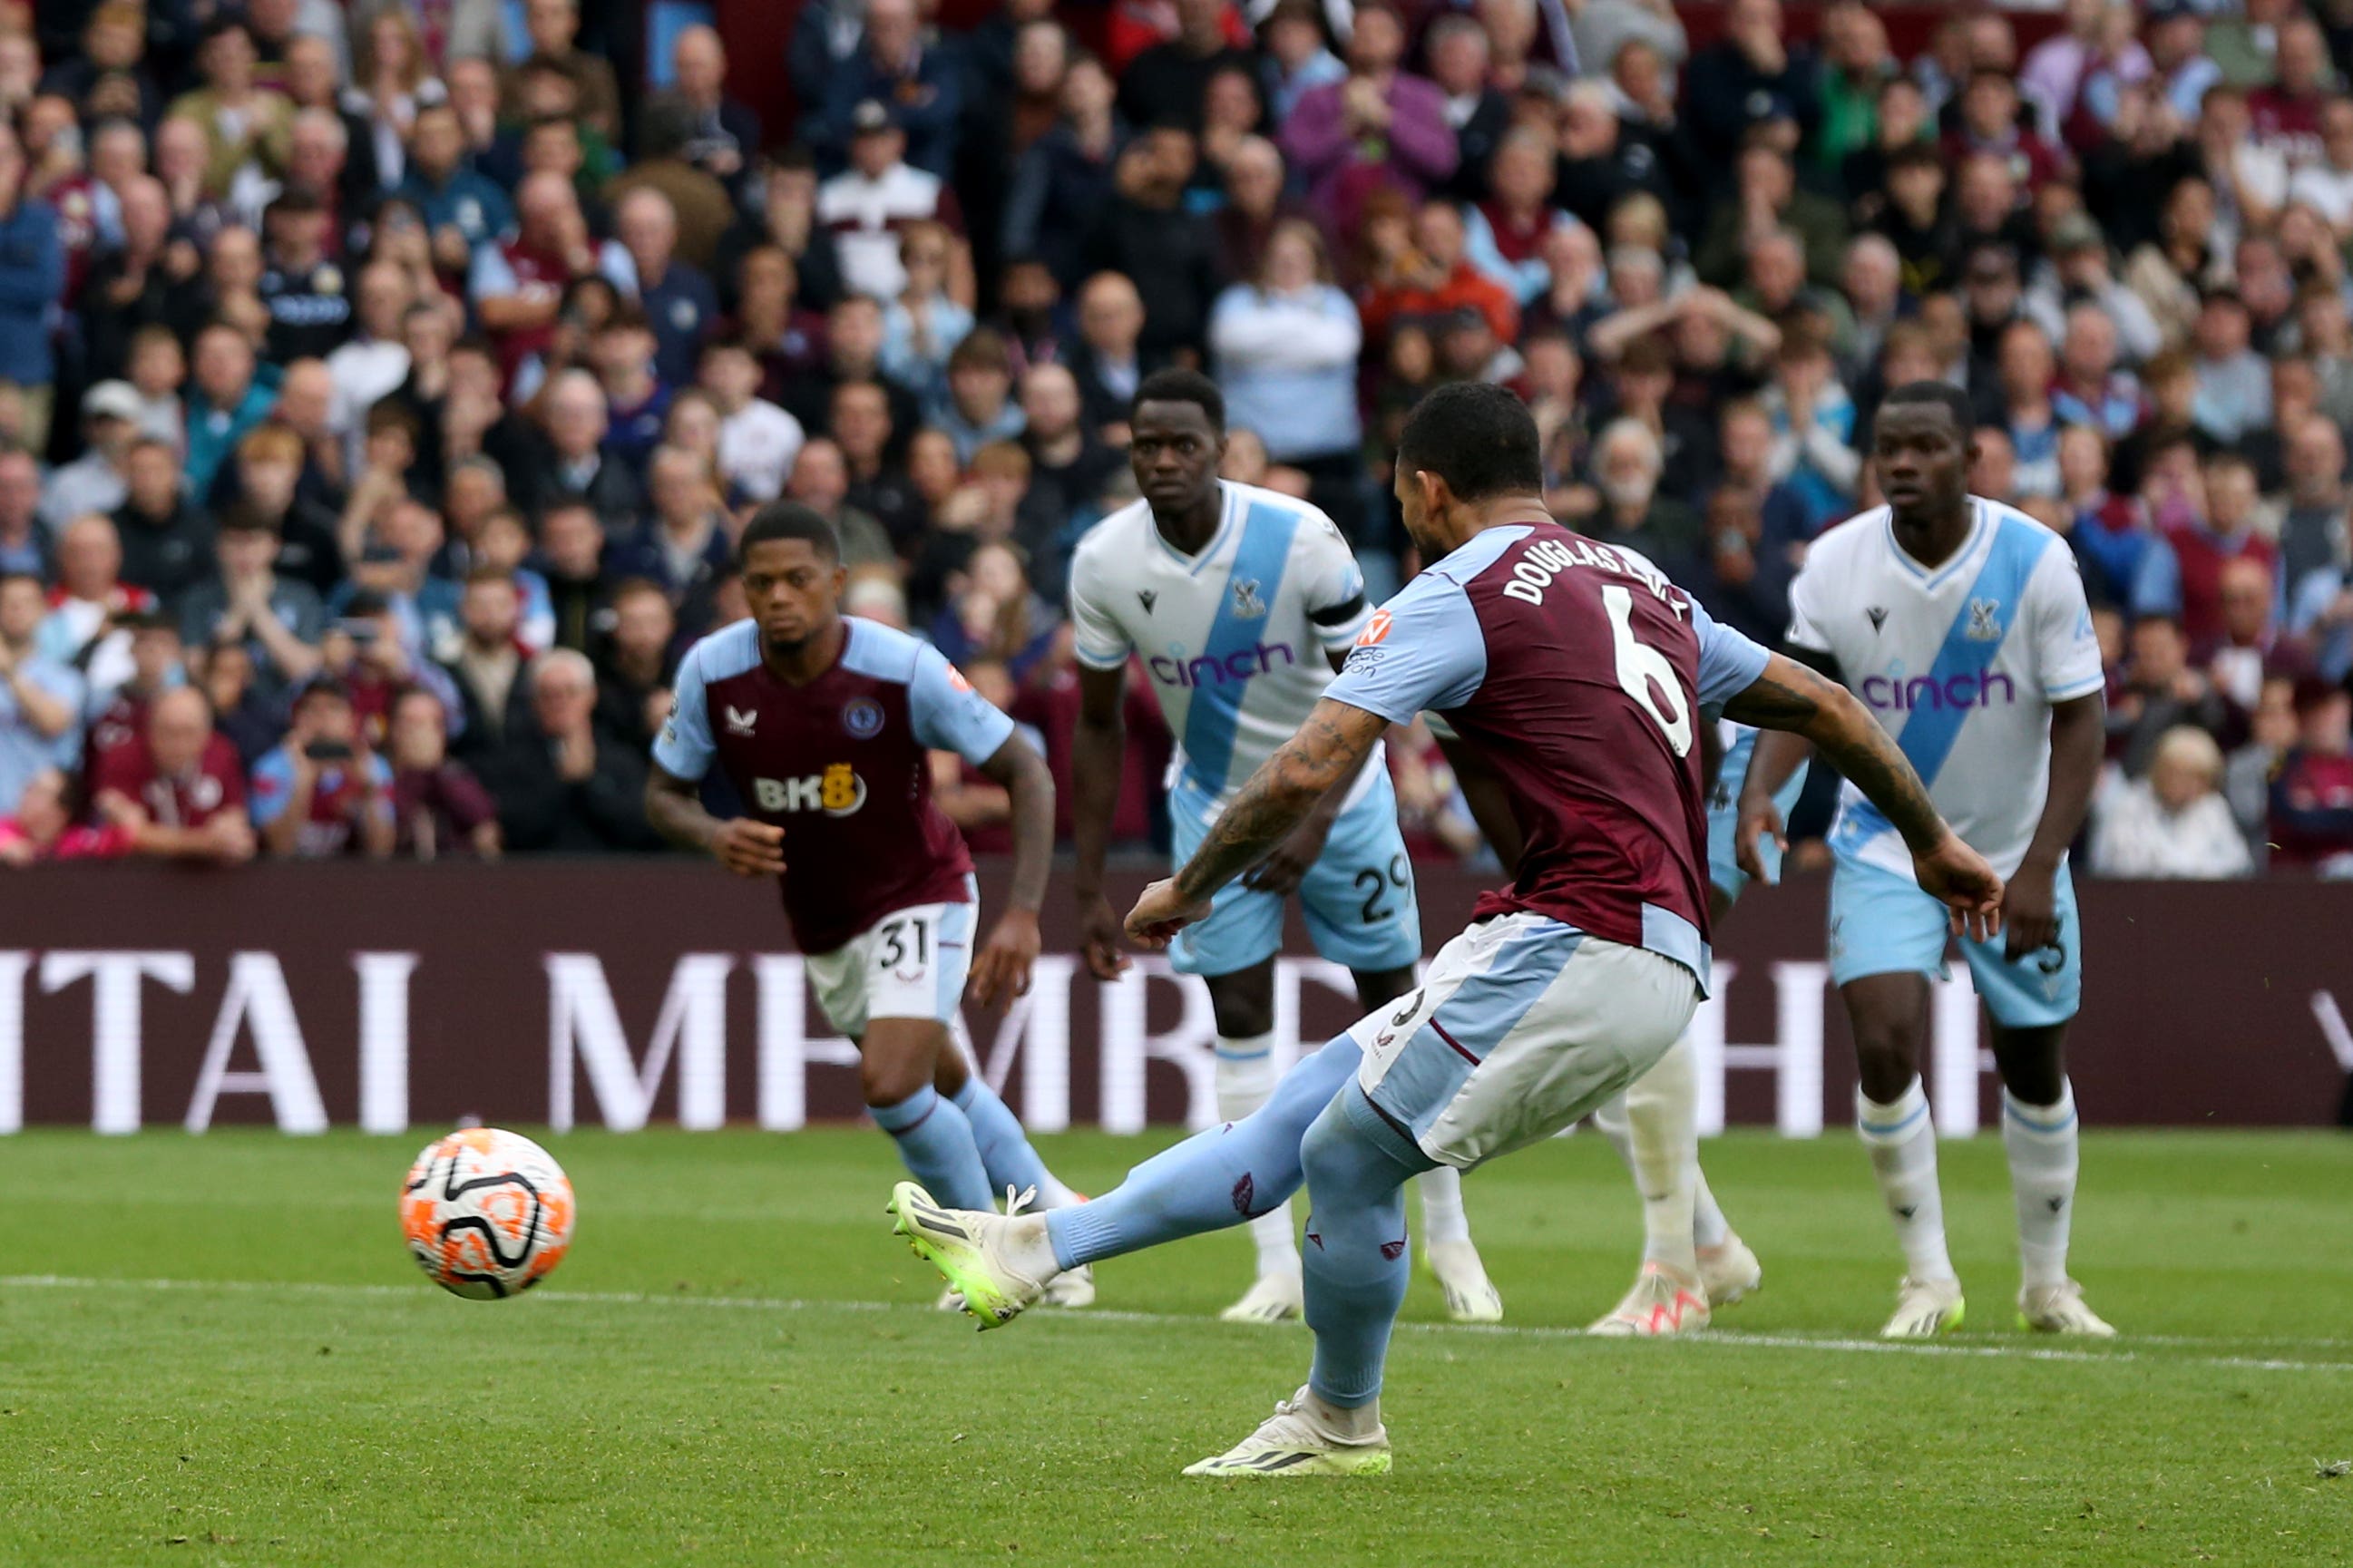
[735, 1366]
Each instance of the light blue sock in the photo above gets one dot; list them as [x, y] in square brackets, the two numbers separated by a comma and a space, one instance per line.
[1004, 1147]
[1356, 1260]
[935, 1141]
[1213, 1179]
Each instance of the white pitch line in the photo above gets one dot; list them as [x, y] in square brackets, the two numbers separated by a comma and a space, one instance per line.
[1732, 1339]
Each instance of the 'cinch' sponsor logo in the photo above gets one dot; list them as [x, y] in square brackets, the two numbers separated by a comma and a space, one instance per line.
[1207, 670]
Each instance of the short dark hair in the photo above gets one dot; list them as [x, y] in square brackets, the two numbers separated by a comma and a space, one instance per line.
[1479, 438]
[1185, 387]
[788, 519]
[1951, 398]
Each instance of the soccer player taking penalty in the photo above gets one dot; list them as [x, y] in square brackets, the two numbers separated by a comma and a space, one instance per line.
[1578, 672]
[825, 726]
[1243, 603]
[1962, 625]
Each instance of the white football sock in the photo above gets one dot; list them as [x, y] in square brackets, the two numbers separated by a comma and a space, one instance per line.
[1443, 1218]
[1245, 1076]
[1709, 1228]
[1903, 1143]
[2040, 1142]
[1663, 1122]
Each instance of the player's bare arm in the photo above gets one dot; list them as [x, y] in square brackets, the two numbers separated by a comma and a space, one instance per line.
[1001, 968]
[1321, 757]
[748, 848]
[1286, 866]
[2030, 906]
[1098, 750]
[1790, 697]
[1778, 755]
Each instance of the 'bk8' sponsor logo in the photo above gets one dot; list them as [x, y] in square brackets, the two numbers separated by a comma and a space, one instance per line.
[1892, 693]
[837, 792]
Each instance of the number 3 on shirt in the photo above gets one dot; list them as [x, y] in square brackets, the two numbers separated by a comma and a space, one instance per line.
[1646, 675]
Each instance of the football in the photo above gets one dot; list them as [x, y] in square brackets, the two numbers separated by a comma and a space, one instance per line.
[486, 1213]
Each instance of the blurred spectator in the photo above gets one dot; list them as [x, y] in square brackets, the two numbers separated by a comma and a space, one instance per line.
[323, 792]
[866, 203]
[1110, 359]
[576, 428]
[224, 402]
[978, 407]
[1146, 233]
[2312, 534]
[80, 630]
[1064, 177]
[2247, 776]
[571, 552]
[174, 785]
[1068, 470]
[554, 28]
[1627, 467]
[994, 616]
[2250, 639]
[42, 701]
[2200, 547]
[517, 284]
[1748, 80]
[684, 545]
[561, 784]
[758, 441]
[245, 602]
[2110, 533]
[2162, 691]
[1379, 128]
[820, 481]
[892, 66]
[633, 677]
[2311, 822]
[438, 807]
[39, 826]
[1284, 349]
[922, 326]
[2234, 385]
[95, 481]
[2173, 823]
[642, 261]
[1165, 84]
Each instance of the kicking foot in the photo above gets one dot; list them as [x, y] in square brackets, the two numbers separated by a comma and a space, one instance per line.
[1925, 1309]
[974, 1252]
[1273, 1300]
[1729, 1271]
[2059, 1309]
[1664, 1301]
[1470, 1298]
[1296, 1440]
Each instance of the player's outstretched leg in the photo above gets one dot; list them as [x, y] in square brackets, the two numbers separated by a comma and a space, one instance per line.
[2039, 1132]
[1728, 1267]
[1356, 1267]
[897, 1058]
[1244, 1075]
[1661, 1109]
[1212, 1180]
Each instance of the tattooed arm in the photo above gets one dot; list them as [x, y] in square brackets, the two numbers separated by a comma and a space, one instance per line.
[1790, 697]
[1324, 755]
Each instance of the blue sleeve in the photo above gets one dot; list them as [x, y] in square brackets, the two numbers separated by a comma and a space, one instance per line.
[273, 784]
[2156, 586]
[1424, 648]
[684, 748]
[948, 715]
[1729, 663]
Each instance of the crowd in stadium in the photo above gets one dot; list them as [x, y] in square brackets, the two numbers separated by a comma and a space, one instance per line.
[382, 382]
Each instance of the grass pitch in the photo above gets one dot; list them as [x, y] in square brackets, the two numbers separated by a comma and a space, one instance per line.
[214, 1350]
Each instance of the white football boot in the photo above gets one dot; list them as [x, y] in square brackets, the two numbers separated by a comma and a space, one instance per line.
[1470, 1297]
[1295, 1441]
[1273, 1298]
[989, 1260]
[2059, 1309]
[1664, 1301]
[1730, 1272]
[1925, 1309]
